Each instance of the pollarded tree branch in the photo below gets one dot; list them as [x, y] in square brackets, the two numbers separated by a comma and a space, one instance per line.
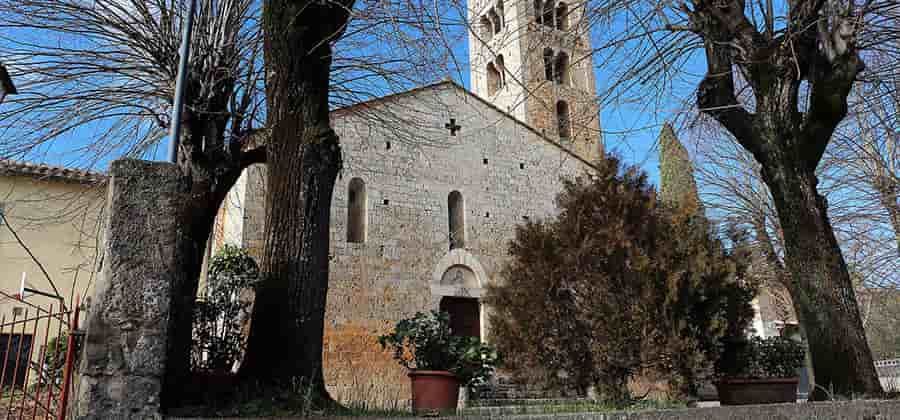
[835, 68]
[716, 98]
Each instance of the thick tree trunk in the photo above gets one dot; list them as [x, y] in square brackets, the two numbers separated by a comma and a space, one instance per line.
[821, 288]
[207, 193]
[304, 158]
[289, 311]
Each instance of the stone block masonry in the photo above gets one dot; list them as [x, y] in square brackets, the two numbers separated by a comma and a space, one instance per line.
[123, 360]
[504, 174]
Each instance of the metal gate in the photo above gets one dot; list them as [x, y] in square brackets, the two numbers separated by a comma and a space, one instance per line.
[37, 352]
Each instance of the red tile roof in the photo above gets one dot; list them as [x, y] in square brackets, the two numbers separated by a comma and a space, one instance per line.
[44, 171]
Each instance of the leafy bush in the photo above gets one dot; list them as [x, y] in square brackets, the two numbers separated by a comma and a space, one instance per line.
[425, 342]
[221, 311]
[759, 358]
[55, 359]
[617, 285]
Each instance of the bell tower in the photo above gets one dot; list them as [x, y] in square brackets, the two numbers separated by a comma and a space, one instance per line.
[532, 59]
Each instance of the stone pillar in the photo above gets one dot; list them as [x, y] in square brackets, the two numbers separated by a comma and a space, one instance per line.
[124, 355]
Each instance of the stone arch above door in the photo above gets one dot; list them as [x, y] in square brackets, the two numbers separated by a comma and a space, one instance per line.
[458, 273]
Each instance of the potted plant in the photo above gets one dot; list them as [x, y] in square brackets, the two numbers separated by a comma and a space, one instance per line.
[760, 371]
[438, 362]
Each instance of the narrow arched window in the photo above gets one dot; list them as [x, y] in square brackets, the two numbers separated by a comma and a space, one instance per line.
[561, 69]
[495, 19]
[357, 213]
[493, 79]
[562, 17]
[547, 18]
[501, 68]
[562, 120]
[548, 64]
[457, 210]
[538, 10]
[500, 13]
[487, 31]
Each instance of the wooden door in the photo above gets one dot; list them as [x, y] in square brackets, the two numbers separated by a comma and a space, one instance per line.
[465, 316]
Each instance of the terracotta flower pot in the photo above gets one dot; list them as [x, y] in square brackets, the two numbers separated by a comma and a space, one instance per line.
[757, 391]
[434, 391]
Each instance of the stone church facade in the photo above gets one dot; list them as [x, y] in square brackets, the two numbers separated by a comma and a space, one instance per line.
[434, 182]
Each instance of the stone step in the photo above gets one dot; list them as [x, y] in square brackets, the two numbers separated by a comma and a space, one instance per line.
[510, 410]
[510, 402]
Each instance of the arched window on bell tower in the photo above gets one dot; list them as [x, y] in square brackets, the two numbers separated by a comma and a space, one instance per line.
[547, 13]
[357, 212]
[561, 69]
[457, 212]
[487, 28]
[495, 20]
[548, 64]
[493, 79]
[562, 16]
[563, 123]
[501, 68]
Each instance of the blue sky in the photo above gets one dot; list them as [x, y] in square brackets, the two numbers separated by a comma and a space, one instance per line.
[629, 130]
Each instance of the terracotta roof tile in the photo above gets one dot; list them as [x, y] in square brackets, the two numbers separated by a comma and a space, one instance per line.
[44, 171]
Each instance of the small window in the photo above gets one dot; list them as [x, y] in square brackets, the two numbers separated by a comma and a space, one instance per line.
[356, 211]
[562, 17]
[487, 31]
[500, 13]
[521, 166]
[548, 64]
[495, 20]
[14, 369]
[387, 145]
[457, 212]
[386, 202]
[547, 18]
[561, 69]
[493, 79]
[501, 68]
[562, 120]
[485, 161]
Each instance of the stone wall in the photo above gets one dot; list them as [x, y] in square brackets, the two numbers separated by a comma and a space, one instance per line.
[123, 360]
[506, 173]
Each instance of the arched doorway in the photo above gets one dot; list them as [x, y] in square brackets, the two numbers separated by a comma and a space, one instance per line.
[456, 288]
[465, 315]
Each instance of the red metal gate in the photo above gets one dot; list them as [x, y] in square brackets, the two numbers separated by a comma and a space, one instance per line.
[36, 381]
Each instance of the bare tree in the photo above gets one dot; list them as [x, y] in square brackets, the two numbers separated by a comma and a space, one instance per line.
[780, 51]
[105, 70]
[309, 47]
[866, 155]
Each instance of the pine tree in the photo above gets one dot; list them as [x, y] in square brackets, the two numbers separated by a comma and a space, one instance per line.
[677, 187]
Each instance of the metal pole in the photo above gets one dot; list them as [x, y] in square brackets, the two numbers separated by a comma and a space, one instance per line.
[184, 52]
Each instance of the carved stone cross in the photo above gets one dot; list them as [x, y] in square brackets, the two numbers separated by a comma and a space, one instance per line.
[452, 126]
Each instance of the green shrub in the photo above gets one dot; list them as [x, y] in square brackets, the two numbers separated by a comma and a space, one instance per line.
[55, 359]
[425, 342]
[758, 358]
[617, 285]
[221, 311]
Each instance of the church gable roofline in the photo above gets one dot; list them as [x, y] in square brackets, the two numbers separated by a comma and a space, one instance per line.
[345, 110]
